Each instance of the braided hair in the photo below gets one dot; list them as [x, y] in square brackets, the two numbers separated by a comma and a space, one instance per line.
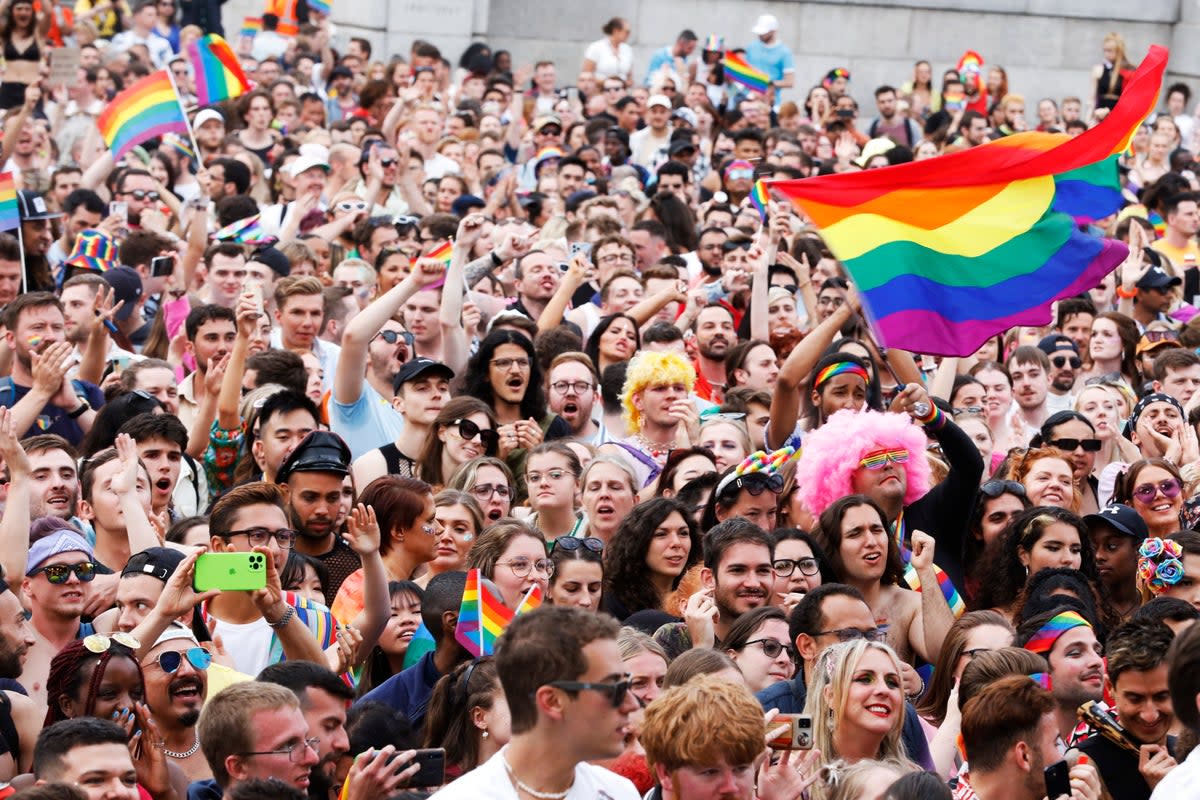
[66, 676]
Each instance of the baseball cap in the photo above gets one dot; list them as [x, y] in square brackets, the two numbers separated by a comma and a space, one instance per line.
[176, 630]
[1121, 518]
[157, 562]
[273, 258]
[680, 145]
[549, 119]
[208, 115]
[1157, 278]
[33, 206]
[418, 367]
[875, 147]
[64, 540]
[464, 203]
[127, 286]
[320, 451]
[687, 115]
[658, 100]
[767, 23]
[1055, 343]
[305, 162]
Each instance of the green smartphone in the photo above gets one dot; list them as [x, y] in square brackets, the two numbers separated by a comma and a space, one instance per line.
[235, 572]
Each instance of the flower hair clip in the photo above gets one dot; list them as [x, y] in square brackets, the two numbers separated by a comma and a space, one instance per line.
[1160, 564]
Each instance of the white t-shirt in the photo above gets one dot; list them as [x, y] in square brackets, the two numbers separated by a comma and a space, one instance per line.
[490, 780]
[609, 64]
[1180, 783]
[249, 643]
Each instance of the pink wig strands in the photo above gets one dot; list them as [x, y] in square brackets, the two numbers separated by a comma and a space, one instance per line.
[832, 453]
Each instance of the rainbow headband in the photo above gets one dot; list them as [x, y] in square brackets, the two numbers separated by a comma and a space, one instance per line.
[840, 368]
[761, 462]
[1160, 564]
[1048, 634]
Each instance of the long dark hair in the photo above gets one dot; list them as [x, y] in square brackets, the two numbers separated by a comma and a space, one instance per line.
[378, 668]
[626, 574]
[1002, 563]
[429, 465]
[592, 348]
[829, 534]
[477, 381]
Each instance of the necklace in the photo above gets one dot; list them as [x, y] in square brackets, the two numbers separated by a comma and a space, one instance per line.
[526, 788]
[191, 751]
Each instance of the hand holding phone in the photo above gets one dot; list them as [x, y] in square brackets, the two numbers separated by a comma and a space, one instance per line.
[799, 735]
[234, 572]
[1058, 781]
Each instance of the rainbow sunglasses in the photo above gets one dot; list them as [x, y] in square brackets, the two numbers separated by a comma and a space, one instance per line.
[881, 458]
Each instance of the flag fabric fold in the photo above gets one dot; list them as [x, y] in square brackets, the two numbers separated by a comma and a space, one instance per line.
[738, 70]
[217, 72]
[950, 251]
[147, 109]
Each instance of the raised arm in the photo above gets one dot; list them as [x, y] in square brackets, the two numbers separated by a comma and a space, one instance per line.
[14, 524]
[456, 348]
[362, 532]
[930, 626]
[138, 529]
[556, 307]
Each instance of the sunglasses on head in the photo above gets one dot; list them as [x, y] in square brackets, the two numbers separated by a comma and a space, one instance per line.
[572, 543]
[59, 574]
[170, 661]
[729, 245]
[99, 643]
[1088, 445]
[999, 487]
[756, 483]
[468, 430]
[1061, 361]
[1169, 489]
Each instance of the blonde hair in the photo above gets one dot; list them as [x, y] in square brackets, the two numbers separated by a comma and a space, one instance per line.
[849, 781]
[297, 286]
[835, 669]
[652, 368]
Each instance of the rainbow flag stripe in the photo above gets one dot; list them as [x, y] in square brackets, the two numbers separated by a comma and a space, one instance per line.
[320, 6]
[760, 199]
[913, 581]
[443, 253]
[147, 109]
[1042, 641]
[481, 617]
[252, 25]
[739, 71]
[219, 76]
[950, 251]
[531, 600]
[10, 214]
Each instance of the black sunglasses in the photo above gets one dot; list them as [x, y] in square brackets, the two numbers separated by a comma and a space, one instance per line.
[391, 337]
[1061, 361]
[572, 543]
[756, 483]
[142, 194]
[729, 245]
[468, 430]
[1088, 445]
[999, 487]
[59, 574]
[616, 691]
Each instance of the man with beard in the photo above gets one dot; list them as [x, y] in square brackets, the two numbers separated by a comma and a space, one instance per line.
[42, 398]
[374, 343]
[84, 210]
[573, 392]
[17, 636]
[311, 478]
[1029, 368]
[715, 334]
[299, 312]
[1154, 423]
[324, 699]
[1010, 734]
[137, 190]
[1065, 364]
[37, 235]
[1068, 643]
[422, 387]
[175, 675]
[711, 253]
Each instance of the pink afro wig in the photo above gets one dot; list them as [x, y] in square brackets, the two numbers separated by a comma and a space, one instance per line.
[831, 454]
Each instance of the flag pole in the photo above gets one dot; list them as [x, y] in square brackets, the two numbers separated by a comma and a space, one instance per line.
[187, 123]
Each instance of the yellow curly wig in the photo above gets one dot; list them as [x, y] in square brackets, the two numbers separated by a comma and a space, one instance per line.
[652, 368]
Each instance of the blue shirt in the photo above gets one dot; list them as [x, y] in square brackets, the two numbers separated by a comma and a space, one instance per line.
[409, 691]
[774, 59]
[52, 418]
[367, 423]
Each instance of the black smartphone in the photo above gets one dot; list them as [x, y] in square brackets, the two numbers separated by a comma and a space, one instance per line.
[1058, 780]
[432, 771]
[162, 266]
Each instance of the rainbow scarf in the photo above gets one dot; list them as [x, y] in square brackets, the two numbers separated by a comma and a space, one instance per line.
[760, 199]
[951, 251]
[953, 598]
[739, 71]
[219, 76]
[147, 109]
[1048, 634]
[10, 215]
[243, 231]
[840, 368]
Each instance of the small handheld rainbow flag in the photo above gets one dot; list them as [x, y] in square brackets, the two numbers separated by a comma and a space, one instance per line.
[738, 71]
[10, 215]
[219, 76]
[481, 617]
[243, 231]
[252, 25]
[147, 109]
[760, 199]
[531, 600]
[443, 252]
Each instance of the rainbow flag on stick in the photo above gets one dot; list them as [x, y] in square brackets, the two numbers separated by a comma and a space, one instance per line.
[481, 617]
[739, 71]
[219, 76]
[761, 199]
[950, 251]
[147, 109]
[443, 253]
[531, 600]
[10, 215]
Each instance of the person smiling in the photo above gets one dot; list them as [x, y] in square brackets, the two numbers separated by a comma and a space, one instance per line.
[647, 558]
[1153, 487]
[1069, 644]
[758, 644]
[1048, 477]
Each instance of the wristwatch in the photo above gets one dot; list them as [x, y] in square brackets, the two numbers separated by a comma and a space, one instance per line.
[79, 410]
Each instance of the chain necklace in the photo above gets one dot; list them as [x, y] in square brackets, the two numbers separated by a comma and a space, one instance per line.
[529, 790]
[191, 751]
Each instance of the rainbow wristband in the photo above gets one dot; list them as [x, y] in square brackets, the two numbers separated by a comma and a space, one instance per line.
[935, 419]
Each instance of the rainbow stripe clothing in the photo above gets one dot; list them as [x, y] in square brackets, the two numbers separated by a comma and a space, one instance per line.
[953, 598]
[1042, 641]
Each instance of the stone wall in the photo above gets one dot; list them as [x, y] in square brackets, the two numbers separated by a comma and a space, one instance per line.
[1047, 46]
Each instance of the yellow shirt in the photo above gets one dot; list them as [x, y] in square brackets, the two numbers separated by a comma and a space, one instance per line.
[1177, 255]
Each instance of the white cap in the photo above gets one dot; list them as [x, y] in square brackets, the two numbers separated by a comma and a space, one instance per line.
[766, 24]
[304, 163]
[207, 115]
[176, 631]
[658, 100]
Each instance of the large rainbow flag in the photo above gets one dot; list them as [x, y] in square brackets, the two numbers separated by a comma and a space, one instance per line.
[147, 109]
[219, 76]
[949, 251]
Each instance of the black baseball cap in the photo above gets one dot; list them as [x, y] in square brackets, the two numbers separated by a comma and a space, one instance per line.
[418, 367]
[33, 206]
[320, 451]
[1157, 278]
[157, 562]
[1120, 518]
[1055, 343]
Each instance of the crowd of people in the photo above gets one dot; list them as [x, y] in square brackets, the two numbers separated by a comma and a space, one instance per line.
[388, 319]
